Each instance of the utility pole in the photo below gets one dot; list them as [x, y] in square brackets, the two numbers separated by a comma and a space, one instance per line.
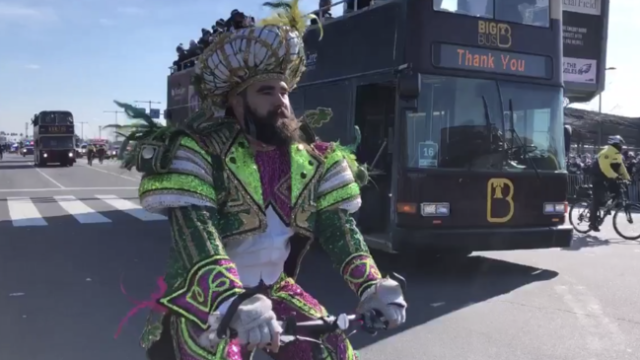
[116, 112]
[82, 129]
[147, 102]
[26, 129]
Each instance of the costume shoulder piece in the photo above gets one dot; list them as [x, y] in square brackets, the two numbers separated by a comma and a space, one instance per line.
[179, 163]
[339, 186]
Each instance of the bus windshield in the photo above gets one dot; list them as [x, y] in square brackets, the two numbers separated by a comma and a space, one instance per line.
[464, 123]
[56, 142]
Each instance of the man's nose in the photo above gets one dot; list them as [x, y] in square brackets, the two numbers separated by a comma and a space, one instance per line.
[282, 101]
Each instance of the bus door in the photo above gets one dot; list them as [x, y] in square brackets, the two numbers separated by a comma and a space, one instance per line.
[375, 108]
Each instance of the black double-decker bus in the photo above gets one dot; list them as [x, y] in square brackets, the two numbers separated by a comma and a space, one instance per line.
[459, 106]
[54, 138]
[460, 109]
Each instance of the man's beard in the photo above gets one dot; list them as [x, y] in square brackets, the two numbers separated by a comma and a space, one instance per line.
[275, 128]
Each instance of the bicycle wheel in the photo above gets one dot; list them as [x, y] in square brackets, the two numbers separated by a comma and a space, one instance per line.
[579, 216]
[624, 221]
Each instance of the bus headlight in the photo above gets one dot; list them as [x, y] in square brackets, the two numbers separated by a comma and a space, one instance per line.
[435, 209]
[554, 208]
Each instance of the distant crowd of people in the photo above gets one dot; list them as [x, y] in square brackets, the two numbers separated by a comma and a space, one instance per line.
[186, 57]
[239, 20]
[581, 164]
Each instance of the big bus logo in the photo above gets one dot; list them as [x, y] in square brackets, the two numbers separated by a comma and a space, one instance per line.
[500, 200]
[494, 34]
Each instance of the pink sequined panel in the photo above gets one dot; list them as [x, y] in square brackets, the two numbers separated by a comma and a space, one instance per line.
[296, 350]
[275, 170]
[232, 350]
[301, 350]
[321, 147]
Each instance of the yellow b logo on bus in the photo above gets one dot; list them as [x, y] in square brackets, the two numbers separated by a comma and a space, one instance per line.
[500, 198]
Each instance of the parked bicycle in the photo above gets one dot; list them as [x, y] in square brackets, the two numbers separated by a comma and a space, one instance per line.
[623, 212]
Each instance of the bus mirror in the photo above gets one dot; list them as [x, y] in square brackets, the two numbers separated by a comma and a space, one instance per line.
[409, 85]
[567, 139]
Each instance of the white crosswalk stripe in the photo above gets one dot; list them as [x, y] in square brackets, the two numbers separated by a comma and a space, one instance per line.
[23, 211]
[130, 208]
[80, 211]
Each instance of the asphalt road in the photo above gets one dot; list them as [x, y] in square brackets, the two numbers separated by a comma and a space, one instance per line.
[60, 296]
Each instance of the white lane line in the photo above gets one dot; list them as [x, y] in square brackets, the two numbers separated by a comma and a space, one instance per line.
[70, 189]
[24, 213]
[130, 208]
[80, 211]
[49, 178]
[109, 172]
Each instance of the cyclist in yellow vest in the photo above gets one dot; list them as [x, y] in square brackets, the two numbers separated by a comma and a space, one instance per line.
[605, 172]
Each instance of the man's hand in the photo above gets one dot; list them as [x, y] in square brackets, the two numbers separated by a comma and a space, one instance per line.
[254, 321]
[386, 296]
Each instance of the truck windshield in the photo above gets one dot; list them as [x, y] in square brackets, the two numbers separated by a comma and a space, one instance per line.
[463, 123]
[56, 142]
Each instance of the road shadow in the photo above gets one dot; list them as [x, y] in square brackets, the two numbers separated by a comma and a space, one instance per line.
[434, 289]
[68, 275]
[581, 241]
[71, 274]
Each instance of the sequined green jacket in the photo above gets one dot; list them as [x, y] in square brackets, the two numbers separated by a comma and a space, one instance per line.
[206, 181]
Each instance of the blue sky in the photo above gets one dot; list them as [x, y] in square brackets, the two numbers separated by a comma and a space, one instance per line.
[79, 55]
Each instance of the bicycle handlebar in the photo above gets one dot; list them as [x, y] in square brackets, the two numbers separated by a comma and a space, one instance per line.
[371, 321]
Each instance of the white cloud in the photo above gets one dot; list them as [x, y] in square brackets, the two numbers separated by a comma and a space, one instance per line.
[130, 10]
[106, 22]
[32, 67]
[13, 12]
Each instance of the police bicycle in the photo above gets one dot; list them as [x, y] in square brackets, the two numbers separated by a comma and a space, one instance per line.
[625, 212]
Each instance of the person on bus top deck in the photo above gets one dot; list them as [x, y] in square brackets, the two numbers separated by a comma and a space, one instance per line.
[245, 195]
[606, 170]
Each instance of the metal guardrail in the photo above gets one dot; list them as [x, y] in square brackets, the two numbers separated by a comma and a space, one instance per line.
[577, 180]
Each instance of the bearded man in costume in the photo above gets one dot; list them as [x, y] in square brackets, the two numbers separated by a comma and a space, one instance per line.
[245, 195]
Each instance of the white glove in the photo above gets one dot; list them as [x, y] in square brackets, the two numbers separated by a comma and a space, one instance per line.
[254, 321]
[386, 297]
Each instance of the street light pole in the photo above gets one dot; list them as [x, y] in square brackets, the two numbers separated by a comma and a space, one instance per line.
[82, 128]
[600, 95]
[115, 112]
[147, 102]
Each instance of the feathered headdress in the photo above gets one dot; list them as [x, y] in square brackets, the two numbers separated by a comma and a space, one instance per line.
[237, 59]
